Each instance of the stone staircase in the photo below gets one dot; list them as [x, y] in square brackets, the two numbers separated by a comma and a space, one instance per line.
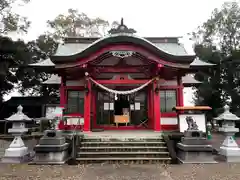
[98, 150]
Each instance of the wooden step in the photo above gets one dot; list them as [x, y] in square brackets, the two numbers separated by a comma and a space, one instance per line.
[122, 153]
[123, 147]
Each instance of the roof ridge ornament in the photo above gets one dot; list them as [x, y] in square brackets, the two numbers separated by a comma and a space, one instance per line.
[19, 109]
[122, 28]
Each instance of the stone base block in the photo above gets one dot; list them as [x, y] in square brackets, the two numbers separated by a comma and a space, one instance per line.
[51, 148]
[229, 154]
[50, 157]
[194, 141]
[16, 159]
[52, 141]
[16, 152]
[195, 157]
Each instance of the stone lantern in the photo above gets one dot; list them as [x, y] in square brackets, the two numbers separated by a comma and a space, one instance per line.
[17, 151]
[229, 149]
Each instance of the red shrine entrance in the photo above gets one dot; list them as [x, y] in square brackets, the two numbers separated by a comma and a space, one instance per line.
[121, 81]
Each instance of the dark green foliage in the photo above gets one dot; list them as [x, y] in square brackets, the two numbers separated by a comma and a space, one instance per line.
[11, 21]
[217, 41]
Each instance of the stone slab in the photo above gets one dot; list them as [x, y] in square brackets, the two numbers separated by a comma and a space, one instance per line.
[194, 141]
[51, 148]
[16, 152]
[229, 151]
[51, 158]
[193, 133]
[196, 162]
[194, 148]
[16, 160]
[195, 157]
[229, 159]
[52, 141]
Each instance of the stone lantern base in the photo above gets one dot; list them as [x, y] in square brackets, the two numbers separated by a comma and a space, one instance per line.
[229, 151]
[230, 154]
[17, 152]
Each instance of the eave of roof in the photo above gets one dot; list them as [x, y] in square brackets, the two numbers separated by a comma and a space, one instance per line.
[121, 38]
[43, 63]
[188, 80]
[200, 63]
[54, 79]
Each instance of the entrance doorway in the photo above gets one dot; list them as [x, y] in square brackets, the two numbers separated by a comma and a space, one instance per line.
[109, 105]
[121, 110]
[121, 104]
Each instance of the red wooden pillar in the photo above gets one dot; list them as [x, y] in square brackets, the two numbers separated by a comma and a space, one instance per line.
[180, 92]
[156, 107]
[94, 110]
[87, 107]
[149, 103]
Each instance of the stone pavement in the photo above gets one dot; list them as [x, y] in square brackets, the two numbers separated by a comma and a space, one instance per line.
[220, 171]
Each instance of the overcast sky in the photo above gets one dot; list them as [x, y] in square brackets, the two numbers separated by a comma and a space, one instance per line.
[147, 17]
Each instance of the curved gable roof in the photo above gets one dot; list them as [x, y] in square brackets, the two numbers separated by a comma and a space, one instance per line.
[124, 38]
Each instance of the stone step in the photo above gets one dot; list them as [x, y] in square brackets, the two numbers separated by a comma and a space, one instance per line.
[142, 154]
[122, 148]
[121, 139]
[122, 153]
[123, 143]
[130, 160]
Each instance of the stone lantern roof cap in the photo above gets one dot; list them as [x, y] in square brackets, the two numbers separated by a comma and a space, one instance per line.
[227, 115]
[19, 116]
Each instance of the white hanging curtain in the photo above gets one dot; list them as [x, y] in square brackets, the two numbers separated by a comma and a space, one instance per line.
[121, 92]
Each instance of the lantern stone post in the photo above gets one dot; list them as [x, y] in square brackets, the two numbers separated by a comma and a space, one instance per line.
[17, 151]
[229, 150]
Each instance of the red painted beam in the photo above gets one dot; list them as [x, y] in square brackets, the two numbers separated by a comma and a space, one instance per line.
[119, 70]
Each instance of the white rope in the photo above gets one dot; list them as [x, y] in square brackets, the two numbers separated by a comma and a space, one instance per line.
[121, 92]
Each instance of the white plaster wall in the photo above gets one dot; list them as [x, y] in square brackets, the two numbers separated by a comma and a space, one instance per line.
[169, 83]
[169, 121]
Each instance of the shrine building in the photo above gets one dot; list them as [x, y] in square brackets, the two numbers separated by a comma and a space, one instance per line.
[122, 81]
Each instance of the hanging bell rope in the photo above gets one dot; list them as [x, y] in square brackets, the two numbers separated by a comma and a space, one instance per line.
[122, 92]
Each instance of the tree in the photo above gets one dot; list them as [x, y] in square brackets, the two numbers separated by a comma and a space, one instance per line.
[12, 55]
[217, 41]
[11, 21]
[72, 24]
[78, 24]
[31, 79]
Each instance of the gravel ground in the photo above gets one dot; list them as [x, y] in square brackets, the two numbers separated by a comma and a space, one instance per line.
[221, 171]
[121, 172]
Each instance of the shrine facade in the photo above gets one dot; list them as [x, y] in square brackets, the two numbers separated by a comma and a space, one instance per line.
[122, 81]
